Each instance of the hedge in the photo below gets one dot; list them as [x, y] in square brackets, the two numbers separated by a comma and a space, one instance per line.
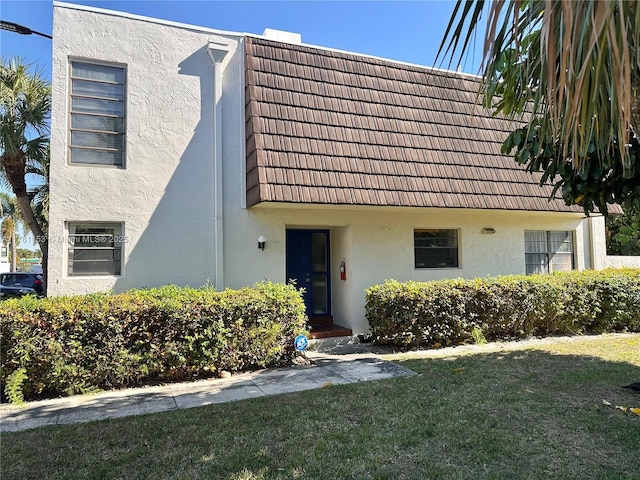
[452, 312]
[68, 345]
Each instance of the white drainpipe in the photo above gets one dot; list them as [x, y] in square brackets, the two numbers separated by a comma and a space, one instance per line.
[217, 49]
[592, 247]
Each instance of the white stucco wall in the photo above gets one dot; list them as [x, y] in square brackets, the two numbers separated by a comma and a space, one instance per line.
[620, 261]
[165, 194]
[377, 244]
[602, 260]
[5, 266]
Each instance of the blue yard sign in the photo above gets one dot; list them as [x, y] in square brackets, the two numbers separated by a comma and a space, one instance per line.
[301, 342]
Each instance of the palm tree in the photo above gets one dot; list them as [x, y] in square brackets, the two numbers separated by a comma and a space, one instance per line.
[25, 105]
[11, 219]
[573, 69]
[39, 193]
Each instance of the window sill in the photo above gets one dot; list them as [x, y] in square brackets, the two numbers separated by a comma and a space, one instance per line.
[422, 269]
[97, 165]
[92, 277]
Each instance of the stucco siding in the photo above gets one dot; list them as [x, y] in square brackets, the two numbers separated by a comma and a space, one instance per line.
[181, 194]
[601, 259]
[164, 195]
[5, 266]
[378, 244]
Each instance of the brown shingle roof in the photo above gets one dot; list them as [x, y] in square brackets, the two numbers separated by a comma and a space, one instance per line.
[335, 128]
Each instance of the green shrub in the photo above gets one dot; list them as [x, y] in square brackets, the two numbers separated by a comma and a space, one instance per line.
[68, 345]
[450, 312]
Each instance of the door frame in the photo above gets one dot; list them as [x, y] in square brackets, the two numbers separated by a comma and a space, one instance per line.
[310, 231]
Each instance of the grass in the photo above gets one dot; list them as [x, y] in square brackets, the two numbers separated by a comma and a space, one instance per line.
[531, 413]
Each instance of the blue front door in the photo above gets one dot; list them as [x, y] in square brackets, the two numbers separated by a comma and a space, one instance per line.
[308, 266]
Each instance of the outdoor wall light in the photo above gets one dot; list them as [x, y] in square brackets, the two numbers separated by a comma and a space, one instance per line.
[261, 242]
[489, 230]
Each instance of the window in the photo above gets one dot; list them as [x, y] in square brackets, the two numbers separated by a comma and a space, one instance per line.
[435, 248]
[95, 249]
[4, 252]
[548, 251]
[97, 114]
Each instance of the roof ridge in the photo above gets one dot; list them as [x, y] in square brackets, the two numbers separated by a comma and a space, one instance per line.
[374, 58]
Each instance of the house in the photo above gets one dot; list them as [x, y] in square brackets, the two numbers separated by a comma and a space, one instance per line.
[5, 266]
[188, 155]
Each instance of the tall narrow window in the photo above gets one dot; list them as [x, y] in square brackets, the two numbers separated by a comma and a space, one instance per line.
[97, 114]
[548, 251]
[435, 248]
[95, 249]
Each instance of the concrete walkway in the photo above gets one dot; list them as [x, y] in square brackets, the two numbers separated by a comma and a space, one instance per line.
[328, 370]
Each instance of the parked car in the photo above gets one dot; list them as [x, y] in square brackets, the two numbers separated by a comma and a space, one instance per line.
[21, 283]
[16, 291]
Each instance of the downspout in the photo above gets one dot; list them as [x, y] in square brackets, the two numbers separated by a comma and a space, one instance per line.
[217, 49]
[598, 243]
[592, 252]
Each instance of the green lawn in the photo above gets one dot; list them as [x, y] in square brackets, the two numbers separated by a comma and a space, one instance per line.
[534, 413]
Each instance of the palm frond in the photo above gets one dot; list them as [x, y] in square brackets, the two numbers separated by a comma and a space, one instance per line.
[39, 193]
[25, 105]
[11, 216]
[583, 69]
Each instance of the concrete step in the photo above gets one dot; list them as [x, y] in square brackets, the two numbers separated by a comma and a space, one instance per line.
[329, 331]
[345, 345]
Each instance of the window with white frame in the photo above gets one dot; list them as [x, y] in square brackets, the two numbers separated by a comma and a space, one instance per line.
[95, 249]
[97, 114]
[548, 251]
[435, 248]
[4, 252]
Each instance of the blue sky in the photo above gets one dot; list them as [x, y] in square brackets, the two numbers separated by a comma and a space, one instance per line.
[409, 31]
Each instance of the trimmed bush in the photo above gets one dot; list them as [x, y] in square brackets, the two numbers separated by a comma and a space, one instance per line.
[452, 312]
[68, 345]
